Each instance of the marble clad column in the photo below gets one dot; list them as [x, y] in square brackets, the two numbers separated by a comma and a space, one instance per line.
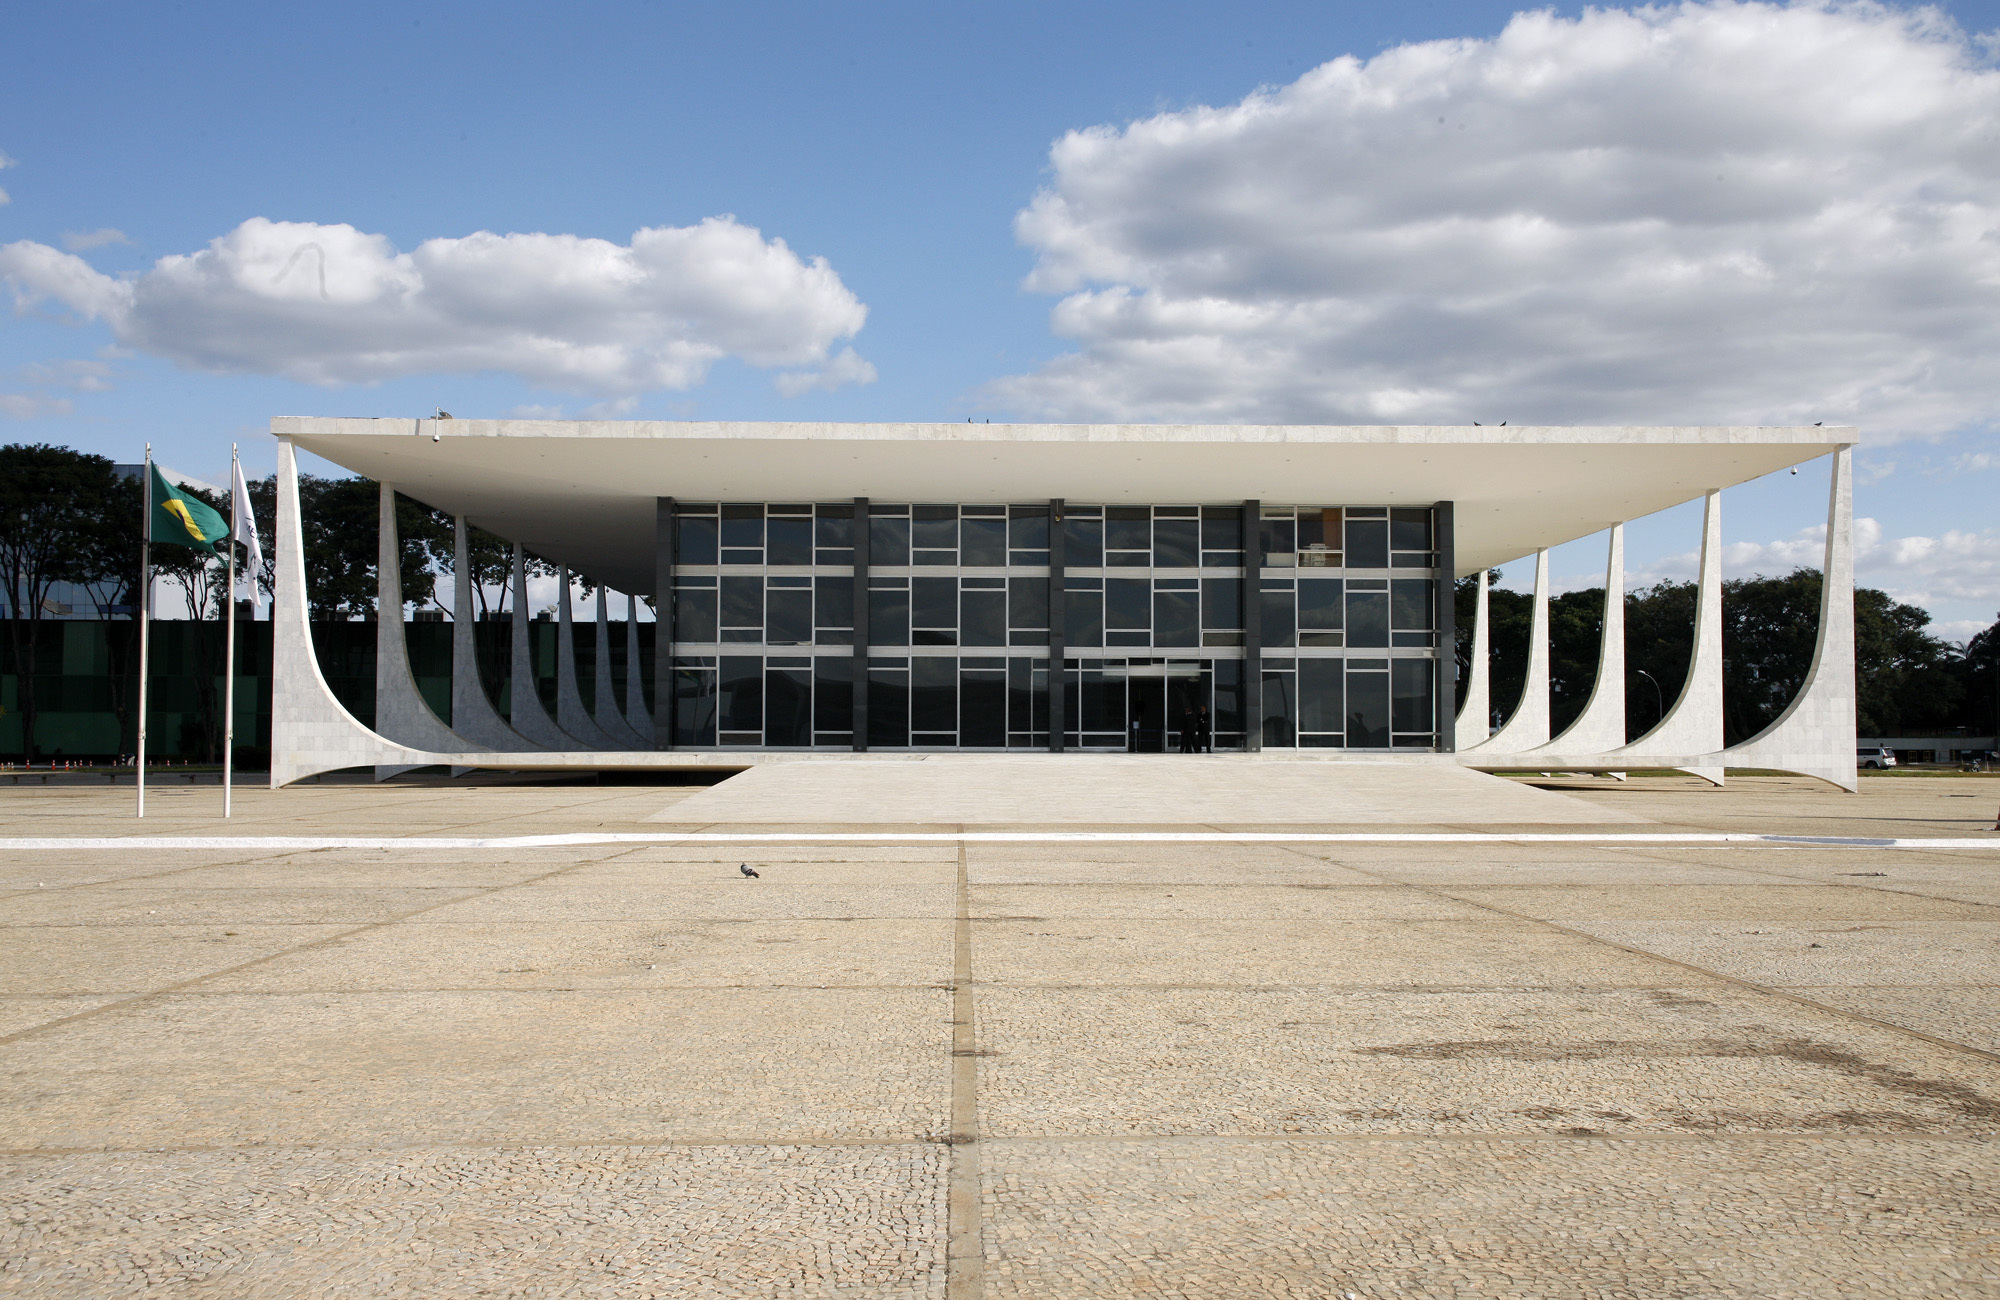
[1529, 727]
[608, 717]
[1475, 720]
[636, 716]
[571, 716]
[1815, 734]
[472, 713]
[1694, 724]
[310, 731]
[527, 714]
[401, 713]
[1600, 728]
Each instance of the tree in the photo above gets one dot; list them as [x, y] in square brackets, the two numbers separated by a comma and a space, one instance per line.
[342, 518]
[52, 501]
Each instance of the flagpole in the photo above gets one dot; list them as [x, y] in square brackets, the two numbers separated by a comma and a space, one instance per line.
[145, 621]
[229, 644]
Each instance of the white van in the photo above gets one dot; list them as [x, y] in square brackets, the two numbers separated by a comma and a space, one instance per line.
[1875, 757]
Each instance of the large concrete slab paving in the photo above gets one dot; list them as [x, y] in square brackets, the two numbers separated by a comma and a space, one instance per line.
[1127, 789]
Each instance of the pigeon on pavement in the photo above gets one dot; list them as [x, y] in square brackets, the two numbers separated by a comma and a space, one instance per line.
[744, 867]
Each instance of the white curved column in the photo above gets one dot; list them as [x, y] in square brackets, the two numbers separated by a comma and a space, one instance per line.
[1815, 734]
[401, 712]
[1694, 724]
[472, 713]
[1529, 727]
[606, 705]
[527, 715]
[1475, 717]
[310, 731]
[636, 716]
[1601, 726]
[571, 716]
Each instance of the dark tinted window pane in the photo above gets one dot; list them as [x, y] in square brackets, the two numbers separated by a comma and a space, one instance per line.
[1410, 530]
[1102, 707]
[1280, 711]
[694, 707]
[834, 526]
[982, 703]
[984, 615]
[1412, 698]
[1128, 604]
[983, 541]
[1228, 710]
[1368, 710]
[789, 541]
[694, 614]
[888, 708]
[1028, 529]
[696, 540]
[888, 546]
[1411, 603]
[742, 603]
[742, 526]
[1221, 529]
[1176, 543]
[1367, 543]
[1128, 528]
[1222, 603]
[1321, 700]
[888, 624]
[1367, 619]
[833, 602]
[1176, 618]
[1278, 536]
[742, 693]
[1083, 543]
[788, 706]
[1028, 602]
[1278, 620]
[1319, 605]
[934, 603]
[833, 693]
[934, 528]
[1319, 528]
[1083, 618]
[788, 618]
[934, 695]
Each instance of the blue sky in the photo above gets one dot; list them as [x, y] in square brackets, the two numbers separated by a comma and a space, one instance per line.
[900, 143]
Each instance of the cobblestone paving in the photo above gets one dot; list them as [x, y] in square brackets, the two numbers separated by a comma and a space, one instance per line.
[1190, 1070]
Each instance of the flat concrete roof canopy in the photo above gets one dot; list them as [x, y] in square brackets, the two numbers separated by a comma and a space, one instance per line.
[581, 493]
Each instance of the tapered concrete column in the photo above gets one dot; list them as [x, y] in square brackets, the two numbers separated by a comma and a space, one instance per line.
[1600, 728]
[401, 713]
[1475, 719]
[1529, 727]
[472, 713]
[310, 731]
[606, 709]
[1815, 733]
[636, 716]
[1694, 724]
[571, 716]
[1444, 621]
[527, 714]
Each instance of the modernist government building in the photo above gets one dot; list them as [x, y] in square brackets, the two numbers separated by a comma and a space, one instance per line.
[834, 589]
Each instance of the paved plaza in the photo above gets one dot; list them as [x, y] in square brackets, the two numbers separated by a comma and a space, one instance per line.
[909, 1061]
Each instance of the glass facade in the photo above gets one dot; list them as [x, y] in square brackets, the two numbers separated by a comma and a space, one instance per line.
[920, 626]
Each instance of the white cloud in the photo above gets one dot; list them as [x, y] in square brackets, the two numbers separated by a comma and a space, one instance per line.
[1692, 213]
[334, 305]
[77, 376]
[5, 163]
[32, 406]
[82, 241]
[844, 368]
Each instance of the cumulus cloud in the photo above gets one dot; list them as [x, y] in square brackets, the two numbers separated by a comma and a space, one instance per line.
[1694, 213]
[32, 406]
[329, 304]
[5, 163]
[82, 241]
[844, 368]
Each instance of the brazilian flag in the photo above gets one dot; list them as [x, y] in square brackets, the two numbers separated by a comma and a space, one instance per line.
[182, 519]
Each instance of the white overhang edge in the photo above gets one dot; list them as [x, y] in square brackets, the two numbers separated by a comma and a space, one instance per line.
[582, 493]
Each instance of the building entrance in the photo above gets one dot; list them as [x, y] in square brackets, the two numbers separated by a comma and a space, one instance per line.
[1159, 703]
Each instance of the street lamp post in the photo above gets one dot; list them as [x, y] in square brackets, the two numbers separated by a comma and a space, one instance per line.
[1659, 696]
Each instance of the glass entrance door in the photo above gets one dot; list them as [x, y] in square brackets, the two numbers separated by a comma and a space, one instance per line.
[1145, 723]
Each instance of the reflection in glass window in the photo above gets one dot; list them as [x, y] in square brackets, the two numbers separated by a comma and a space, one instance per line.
[1028, 607]
[788, 615]
[888, 541]
[888, 614]
[1176, 618]
[888, 707]
[695, 613]
[694, 707]
[1222, 604]
[1368, 619]
[1028, 535]
[934, 699]
[742, 608]
[1128, 604]
[694, 541]
[1176, 543]
[1322, 701]
[1280, 710]
[788, 539]
[983, 614]
[983, 542]
[1083, 612]
[1221, 536]
[833, 699]
[1367, 543]
[1368, 705]
[1277, 615]
[788, 704]
[1320, 605]
[1083, 541]
[742, 698]
[1410, 530]
[1413, 697]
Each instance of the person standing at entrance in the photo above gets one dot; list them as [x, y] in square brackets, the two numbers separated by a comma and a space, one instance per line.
[1204, 732]
[1187, 731]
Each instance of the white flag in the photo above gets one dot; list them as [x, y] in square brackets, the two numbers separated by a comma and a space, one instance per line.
[245, 527]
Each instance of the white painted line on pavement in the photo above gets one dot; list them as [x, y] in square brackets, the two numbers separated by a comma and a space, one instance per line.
[307, 843]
